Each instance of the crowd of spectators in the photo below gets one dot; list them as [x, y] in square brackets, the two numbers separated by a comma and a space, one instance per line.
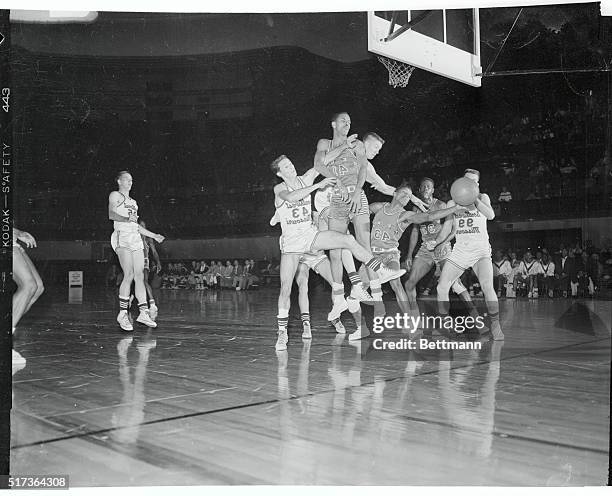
[567, 271]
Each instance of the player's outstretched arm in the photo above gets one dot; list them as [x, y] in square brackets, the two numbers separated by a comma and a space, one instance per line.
[309, 176]
[375, 207]
[483, 204]
[281, 192]
[157, 237]
[377, 182]
[421, 217]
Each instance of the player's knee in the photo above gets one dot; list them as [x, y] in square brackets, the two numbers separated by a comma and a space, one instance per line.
[443, 287]
[40, 289]
[28, 286]
[410, 284]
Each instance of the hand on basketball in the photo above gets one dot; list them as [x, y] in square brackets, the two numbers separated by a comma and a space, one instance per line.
[350, 141]
[26, 238]
[461, 208]
[328, 181]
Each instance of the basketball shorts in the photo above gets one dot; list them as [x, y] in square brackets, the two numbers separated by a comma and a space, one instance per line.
[131, 240]
[466, 257]
[301, 243]
[340, 209]
[436, 256]
[389, 258]
[312, 259]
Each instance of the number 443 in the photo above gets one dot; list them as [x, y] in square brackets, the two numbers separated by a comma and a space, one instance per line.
[6, 95]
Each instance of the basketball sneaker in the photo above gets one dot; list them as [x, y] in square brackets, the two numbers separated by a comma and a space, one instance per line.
[281, 342]
[353, 303]
[359, 293]
[124, 321]
[18, 359]
[153, 311]
[307, 332]
[386, 274]
[340, 329]
[360, 333]
[340, 305]
[145, 318]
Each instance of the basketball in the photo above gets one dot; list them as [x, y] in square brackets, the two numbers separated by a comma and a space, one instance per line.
[464, 191]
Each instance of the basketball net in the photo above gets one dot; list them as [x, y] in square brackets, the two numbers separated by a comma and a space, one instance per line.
[399, 72]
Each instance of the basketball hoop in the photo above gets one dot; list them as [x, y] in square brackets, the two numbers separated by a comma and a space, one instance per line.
[399, 72]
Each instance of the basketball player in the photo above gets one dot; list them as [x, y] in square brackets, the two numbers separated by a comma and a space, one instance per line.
[149, 248]
[294, 209]
[390, 222]
[372, 143]
[431, 252]
[28, 281]
[472, 249]
[344, 157]
[127, 242]
[318, 263]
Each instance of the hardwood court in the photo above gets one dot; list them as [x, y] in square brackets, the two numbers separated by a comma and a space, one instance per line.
[205, 399]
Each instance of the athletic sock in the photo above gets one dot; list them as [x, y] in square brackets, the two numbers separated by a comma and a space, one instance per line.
[142, 307]
[151, 302]
[124, 302]
[305, 319]
[283, 319]
[354, 278]
[375, 289]
[337, 291]
[374, 264]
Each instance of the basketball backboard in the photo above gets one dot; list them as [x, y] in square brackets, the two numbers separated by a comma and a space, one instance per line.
[444, 41]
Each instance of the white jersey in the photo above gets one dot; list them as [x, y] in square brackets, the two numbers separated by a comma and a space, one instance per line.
[295, 218]
[322, 198]
[125, 208]
[548, 268]
[532, 268]
[471, 229]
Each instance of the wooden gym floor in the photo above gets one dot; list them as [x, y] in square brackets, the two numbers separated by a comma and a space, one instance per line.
[205, 399]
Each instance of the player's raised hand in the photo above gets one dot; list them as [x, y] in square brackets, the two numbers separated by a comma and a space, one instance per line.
[350, 141]
[328, 181]
[26, 238]
[419, 203]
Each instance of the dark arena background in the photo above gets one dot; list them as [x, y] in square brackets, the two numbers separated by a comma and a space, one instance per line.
[196, 107]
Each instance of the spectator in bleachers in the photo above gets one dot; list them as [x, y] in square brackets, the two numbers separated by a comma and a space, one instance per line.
[501, 272]
[227, 275]
[531, 270]
[547, 277]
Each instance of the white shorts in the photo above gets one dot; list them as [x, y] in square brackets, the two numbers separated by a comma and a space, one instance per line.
[130, 240]
[466, 257]
[389, 258]
[301, 243]
[312, 259]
